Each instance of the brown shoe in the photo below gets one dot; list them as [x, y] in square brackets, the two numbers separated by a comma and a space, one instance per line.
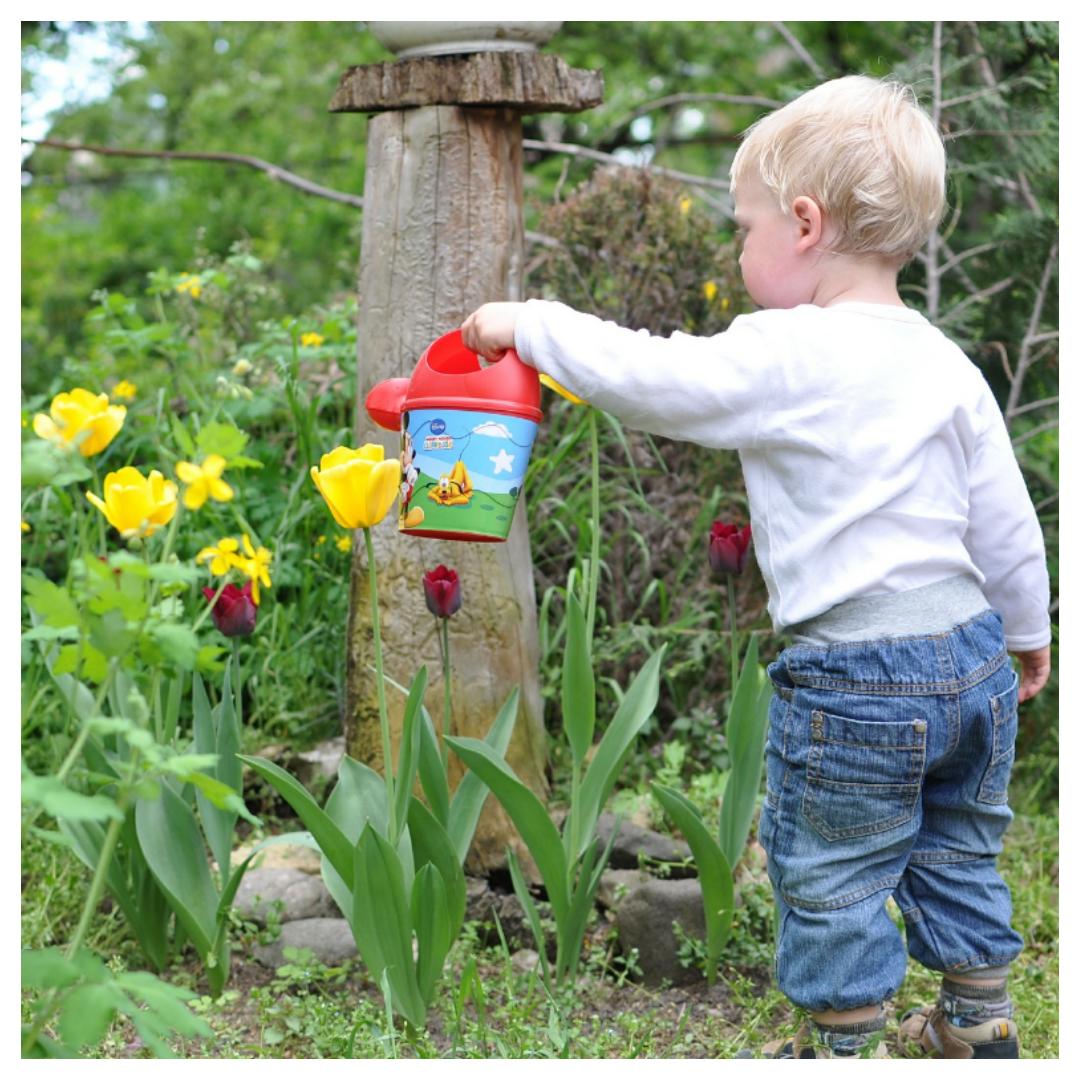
[926, 1032]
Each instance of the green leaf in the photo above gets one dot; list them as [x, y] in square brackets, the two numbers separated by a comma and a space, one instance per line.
[174, 572]
[749, 722]
[182, 437]
[633, 713]
[471, 792]
[331, 840]
[172, 845]
[431, 844]
[578, 687]
[220, 438]
[409, 749]
[180, 644]
[52, 602]
[714, 871]
[381, 907]
[46, 969]
[521, 891]
[86, 1013]
[526, 811]
[45, 463]
[61, 802]
[44, 632]
[431, 770]
[433, 929]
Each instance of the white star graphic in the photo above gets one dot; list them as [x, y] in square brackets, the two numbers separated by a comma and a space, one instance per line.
[502, 461]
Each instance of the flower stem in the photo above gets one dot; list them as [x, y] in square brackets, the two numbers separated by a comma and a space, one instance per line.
[210, 605]
[446, 689]
[732, 621]
[384, 716]
[594, 530]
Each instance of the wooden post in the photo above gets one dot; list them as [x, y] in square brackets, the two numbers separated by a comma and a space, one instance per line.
[442, 234]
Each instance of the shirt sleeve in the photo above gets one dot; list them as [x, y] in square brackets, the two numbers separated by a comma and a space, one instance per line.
[1004, 538]
[703, 390]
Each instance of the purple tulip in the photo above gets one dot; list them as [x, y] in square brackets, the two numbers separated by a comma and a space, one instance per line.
[235, 610]
[442, 592]
[728, 547]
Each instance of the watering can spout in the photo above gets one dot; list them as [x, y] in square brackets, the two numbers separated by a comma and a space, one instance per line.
[385, 403]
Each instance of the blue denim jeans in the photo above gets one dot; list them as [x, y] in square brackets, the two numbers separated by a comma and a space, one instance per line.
[887, 767]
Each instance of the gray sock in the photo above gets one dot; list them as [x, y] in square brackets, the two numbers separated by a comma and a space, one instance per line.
[847, 1040]
[968, 1005]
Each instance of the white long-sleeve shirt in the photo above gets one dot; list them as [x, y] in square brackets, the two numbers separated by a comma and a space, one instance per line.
[875, 457]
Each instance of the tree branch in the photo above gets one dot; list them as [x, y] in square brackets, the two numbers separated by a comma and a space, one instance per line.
[685, 99]
[982, 294]
[800, 51]
[1032, 432]
[1024, 362]
[275, 172]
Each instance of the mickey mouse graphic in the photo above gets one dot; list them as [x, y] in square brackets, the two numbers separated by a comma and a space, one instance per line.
[409, 474]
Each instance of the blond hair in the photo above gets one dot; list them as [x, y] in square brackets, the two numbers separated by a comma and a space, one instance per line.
[865, 151]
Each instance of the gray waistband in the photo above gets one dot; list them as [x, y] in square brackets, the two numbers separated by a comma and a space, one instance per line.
[929, 609]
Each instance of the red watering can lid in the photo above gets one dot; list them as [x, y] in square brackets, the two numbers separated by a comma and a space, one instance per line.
[450, 376]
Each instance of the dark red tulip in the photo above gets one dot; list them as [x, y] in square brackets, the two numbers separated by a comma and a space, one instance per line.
[442, 591]
[728, 547]
[235, 610]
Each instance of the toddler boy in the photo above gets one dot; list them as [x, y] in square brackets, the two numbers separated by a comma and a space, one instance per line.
[900, 549]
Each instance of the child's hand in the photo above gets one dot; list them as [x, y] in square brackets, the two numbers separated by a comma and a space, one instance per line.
[1034, 671]
[489, 330]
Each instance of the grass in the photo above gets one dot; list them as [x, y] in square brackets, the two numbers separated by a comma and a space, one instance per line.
[492, 1007]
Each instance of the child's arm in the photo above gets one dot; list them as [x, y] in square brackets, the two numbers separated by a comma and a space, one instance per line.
[1006, 544]
[705, 390]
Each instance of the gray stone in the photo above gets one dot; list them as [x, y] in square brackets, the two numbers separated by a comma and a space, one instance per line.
[644, 920]
[633, 841]
[304, 896]
[616, 885]
[330, 940]
[525, 961]
[320, 763]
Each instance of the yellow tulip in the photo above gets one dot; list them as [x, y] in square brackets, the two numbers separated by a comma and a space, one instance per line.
[551, 384]
[79, 418]
[134, 504]
[203, 481]
[358, 485]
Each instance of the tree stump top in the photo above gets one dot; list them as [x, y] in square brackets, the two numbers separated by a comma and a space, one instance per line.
[526, 81]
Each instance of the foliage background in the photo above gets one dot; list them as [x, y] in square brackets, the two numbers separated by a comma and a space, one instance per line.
[96, 226]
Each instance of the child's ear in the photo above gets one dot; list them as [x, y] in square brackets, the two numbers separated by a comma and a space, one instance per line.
[809, 221]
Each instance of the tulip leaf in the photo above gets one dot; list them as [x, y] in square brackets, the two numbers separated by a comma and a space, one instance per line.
[217, 822]
[431, 845]
[472, 791]
[409, 749]
[578, 687]
[432, 771]
[749, 726]
[380, 904]
[634, 711]
[172, 845]
[714, 871]
[521, 891]
[331, 840]
[526, 811]
[434, 933]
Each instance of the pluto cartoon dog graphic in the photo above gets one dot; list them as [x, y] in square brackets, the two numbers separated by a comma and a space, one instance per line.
[409, 518]
[454, 488]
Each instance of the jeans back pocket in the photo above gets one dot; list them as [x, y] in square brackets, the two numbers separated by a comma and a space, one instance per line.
[1003, 711]
[862, 776]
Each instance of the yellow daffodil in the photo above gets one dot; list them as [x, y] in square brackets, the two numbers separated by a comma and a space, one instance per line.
[256, 566]
[344, 543]
[203, 481]
[551, 384]
[710, 289]
[124, 389]
[190, 284]
[311, 339]
[358, 485]
[684, 204]
[136, 505]
[242, 367]
[80, 418]
[223, 557]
